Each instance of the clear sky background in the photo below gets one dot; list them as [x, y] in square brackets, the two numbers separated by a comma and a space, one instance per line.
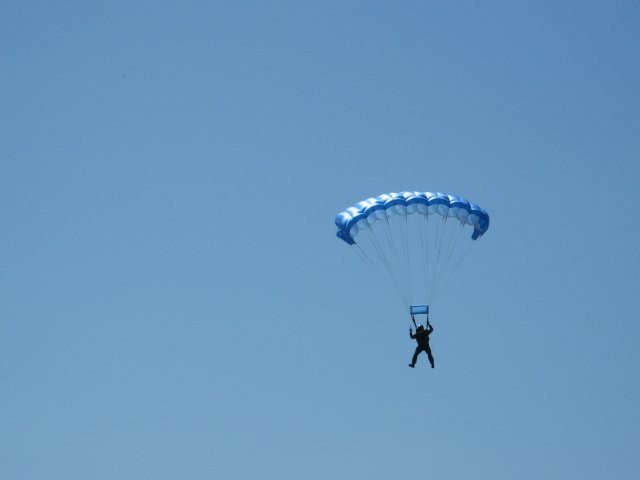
[174, 302]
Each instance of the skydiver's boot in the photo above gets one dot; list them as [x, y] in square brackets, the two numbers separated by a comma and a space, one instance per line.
[412, 365]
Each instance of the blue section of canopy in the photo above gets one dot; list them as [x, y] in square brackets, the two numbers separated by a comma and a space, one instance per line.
[404, 203]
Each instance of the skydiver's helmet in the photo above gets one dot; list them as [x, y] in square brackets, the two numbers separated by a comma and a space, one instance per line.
[419, 328]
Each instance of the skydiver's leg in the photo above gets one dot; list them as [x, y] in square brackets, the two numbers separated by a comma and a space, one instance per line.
[431, 360]
[415, 356]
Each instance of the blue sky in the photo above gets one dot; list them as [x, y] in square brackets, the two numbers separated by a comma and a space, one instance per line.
[175, 303]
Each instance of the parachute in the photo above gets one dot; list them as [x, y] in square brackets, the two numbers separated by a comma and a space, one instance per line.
[417, 240]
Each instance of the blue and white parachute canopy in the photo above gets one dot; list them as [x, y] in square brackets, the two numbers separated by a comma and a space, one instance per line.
[364, 214]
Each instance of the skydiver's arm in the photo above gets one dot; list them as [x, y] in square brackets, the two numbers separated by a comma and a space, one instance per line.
[430, 328]
[411, 333]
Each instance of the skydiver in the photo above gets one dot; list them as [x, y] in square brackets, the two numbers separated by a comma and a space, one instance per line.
[422, 337]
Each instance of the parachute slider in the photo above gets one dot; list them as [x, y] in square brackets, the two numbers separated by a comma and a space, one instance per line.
[419, 309]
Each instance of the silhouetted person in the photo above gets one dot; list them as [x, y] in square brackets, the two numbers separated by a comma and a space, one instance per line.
[422, 337]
